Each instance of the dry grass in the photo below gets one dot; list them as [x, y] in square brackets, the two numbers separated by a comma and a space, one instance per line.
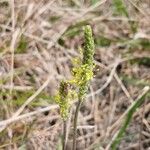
[38, 40]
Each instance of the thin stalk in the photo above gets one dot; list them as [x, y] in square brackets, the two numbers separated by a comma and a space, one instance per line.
[130, 113]
[64, 134]
[75, 124]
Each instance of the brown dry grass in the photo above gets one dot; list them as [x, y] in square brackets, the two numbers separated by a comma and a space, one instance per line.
[38, 40]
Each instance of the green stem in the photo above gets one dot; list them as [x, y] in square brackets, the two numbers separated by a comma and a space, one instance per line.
[64, 134]
[75, 124]
[132, 109]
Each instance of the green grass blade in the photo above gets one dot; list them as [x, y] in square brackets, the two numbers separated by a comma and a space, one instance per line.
[132, 109]
[120, 7]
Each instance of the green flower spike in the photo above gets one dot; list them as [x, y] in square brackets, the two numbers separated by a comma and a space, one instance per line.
[83, 72]
[63, 98]
[88, 47]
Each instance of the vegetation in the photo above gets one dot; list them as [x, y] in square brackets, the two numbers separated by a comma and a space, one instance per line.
[74, 74]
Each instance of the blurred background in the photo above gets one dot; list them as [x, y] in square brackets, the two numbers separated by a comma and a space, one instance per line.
[39, 39]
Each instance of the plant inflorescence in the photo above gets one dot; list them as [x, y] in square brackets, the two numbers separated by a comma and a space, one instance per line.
[63, 98]
[82, 73]
[83, 69]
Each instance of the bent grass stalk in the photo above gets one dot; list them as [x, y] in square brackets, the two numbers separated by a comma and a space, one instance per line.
[129, 115]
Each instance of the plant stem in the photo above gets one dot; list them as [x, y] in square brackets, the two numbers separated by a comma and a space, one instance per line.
[75, 124]
[64, 134]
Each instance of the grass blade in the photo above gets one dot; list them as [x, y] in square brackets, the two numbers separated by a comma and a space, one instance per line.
[120, 7]
[132, 109]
